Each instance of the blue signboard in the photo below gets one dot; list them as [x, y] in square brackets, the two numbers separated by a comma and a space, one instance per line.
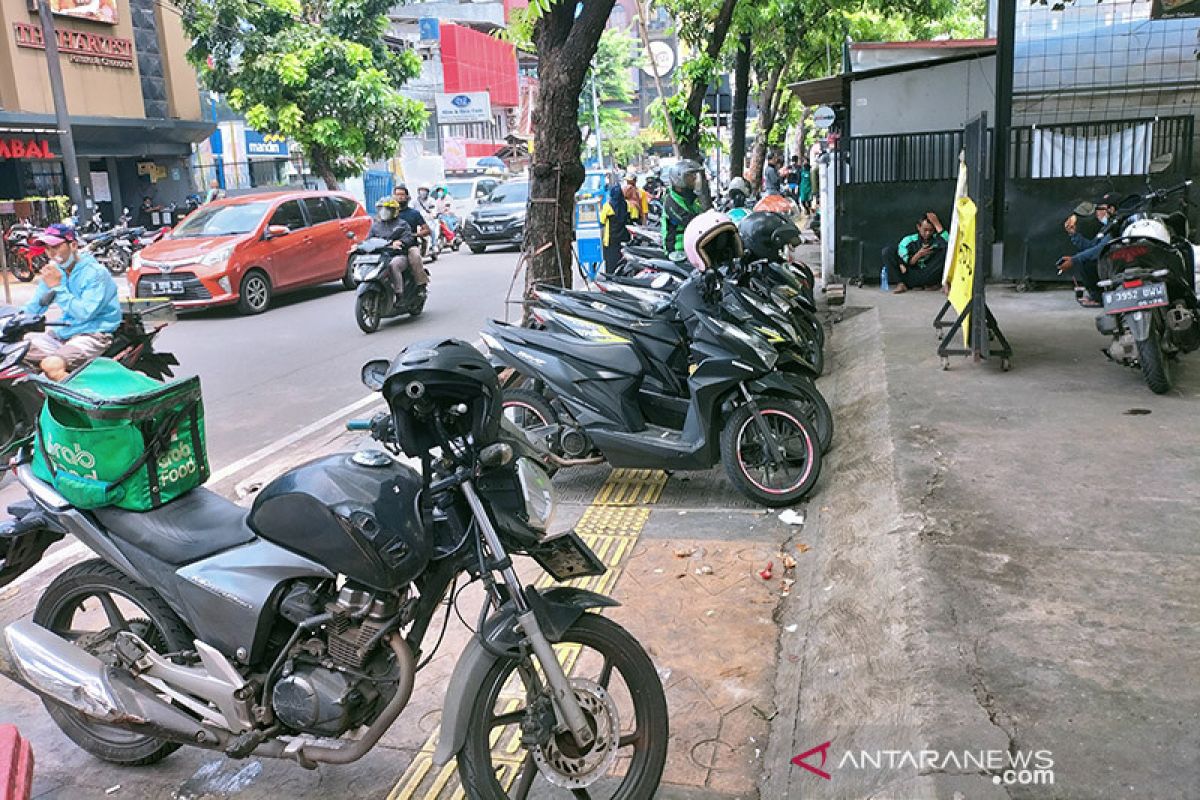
[266, 144]
[429, 28]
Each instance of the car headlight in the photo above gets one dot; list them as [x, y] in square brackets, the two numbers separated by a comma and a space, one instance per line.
[218, 257]
[224, 283]
[538, 493]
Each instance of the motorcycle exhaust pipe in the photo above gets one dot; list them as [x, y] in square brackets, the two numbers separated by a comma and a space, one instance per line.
[57, 670]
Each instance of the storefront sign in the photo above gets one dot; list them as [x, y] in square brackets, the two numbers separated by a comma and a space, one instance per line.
[92, 10]
[19, 148]
[456, 109]
[266, 144]
[662, 56]
[1174, 9]
[83, 48]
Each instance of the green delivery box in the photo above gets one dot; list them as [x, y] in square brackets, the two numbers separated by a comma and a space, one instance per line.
[109, 436]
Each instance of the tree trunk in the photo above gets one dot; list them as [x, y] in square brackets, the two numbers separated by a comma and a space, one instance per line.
[689, 143]
[767, 108]
[323, 169]
[741, 93]
[565, 46]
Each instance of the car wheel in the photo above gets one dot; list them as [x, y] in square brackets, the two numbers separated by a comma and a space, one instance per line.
[255, 293]
[477, 248]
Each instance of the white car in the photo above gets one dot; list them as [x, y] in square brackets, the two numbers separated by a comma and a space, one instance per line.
[465, 193]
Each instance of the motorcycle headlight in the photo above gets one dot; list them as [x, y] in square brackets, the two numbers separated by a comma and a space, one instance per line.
[753, 341]
[218, 257]
[366, 270]
[538, 494]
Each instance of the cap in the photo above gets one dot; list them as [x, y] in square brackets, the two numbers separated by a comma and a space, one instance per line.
[1109, 199]
[55, 235]
[1084, 209]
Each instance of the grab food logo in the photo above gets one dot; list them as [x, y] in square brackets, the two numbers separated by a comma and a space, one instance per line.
[1007, 768]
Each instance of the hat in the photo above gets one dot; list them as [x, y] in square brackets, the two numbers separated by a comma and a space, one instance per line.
[55, 235]
[1109, 199]
[1084, 209]
[629, 176]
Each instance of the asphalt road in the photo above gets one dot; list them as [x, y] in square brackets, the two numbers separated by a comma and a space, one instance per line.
[267, 376]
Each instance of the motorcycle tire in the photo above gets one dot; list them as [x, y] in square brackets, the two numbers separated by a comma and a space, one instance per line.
[817, 409]
[1156, 368]
[22, 269]
[155, 623]
[367, 312]
[528, 409]
[477, 248]
[741, 443]
[641, 772]
[457, 244]
[418, 306]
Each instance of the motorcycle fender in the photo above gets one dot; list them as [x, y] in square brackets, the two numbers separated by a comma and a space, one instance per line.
[1138, 323]
[775, 384]
[368, 286]
[557, 610]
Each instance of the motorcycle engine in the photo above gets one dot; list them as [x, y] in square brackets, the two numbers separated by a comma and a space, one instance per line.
[341, 679]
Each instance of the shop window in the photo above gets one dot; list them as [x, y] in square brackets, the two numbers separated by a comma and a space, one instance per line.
[45, 179]
[289, 215]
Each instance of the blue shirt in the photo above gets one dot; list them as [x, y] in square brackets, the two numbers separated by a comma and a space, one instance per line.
[87, 297]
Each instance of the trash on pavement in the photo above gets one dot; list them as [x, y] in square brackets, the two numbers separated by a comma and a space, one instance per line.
[801, 547]
[791, 516]
[788, 562]
[685, 552]
[792, 628]
[705, 570]
[765, 574]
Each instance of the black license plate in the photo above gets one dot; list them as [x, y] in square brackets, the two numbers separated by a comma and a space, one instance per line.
[166, 287]
[566, 557]
[1136, 298]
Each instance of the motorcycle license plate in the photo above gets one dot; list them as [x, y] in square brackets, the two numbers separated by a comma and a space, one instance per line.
[167, 287]
[566, 557]
[1148, 295]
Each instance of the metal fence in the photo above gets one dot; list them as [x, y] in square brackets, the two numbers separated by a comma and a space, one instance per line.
[904, 157]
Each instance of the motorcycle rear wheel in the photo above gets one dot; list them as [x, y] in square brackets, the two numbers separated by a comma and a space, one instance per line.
[527, 409]
[746, 457]
[1156, 367]
[96, 588]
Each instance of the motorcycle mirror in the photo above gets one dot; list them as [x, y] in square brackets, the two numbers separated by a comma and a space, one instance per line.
[1162, 162]
[373, 374]
[660, 281]
[496, 455]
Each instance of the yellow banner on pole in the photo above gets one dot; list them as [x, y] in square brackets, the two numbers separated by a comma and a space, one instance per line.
[962, 267]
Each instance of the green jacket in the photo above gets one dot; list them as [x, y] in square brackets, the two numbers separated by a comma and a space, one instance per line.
[676, 214]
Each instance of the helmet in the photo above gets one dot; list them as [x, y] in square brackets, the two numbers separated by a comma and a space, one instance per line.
[779, 203]
[677, 173]
[764, 234]
[387, 208]
[1147, 228]
[631, 177]
[427, 187]
[711, 239]
[739, 184]
[439, 390]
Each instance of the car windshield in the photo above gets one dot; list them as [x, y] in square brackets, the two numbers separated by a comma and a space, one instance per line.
[227, 220]
[510, 193]
[460, 190]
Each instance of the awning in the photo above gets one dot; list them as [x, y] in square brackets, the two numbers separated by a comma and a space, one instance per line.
[116, 137]
[819, 91]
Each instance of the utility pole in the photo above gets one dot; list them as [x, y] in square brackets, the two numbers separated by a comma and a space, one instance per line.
[596, 118]
[65, 138]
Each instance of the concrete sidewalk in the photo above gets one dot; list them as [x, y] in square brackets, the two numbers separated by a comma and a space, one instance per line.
[1004, 562]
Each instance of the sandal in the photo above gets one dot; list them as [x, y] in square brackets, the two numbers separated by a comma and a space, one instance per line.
[1088, 302]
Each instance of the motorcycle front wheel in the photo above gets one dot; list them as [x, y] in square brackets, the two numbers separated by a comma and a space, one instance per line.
[748, 456]
[1156, 368]
[622, 698]
[367, 311]
[21, 268]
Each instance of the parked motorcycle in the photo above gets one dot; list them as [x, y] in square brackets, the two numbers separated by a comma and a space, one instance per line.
[24, 256]
[281, 630]
[1148, 275]
[114, 248]
[377, 296]
[20, 399]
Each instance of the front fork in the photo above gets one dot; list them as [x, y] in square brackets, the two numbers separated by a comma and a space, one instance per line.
[763, 428]
[563, 696]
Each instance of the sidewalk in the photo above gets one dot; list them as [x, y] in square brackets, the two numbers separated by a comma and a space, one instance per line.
[1004, 561]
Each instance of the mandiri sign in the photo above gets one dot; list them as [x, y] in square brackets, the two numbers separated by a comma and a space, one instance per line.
[456, 109]
[266, 144]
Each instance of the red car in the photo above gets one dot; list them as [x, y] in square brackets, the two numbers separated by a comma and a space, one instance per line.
[244, 250]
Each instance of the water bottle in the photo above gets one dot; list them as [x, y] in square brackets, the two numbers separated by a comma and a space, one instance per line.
[883, 280]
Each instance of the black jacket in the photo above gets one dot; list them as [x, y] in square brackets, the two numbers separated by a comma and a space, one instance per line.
[394, 230]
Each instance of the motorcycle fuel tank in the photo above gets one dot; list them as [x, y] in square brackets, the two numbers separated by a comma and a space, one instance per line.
[355, 516]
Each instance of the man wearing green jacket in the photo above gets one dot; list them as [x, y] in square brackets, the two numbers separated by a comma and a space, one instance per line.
[680, 205]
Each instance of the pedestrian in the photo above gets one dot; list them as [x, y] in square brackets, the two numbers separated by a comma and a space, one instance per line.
[146, 212]
[614, 216]
[771, 177]
[793, 178]
[919, 260]
[804, 186]
[637, 200]
[1089, 238]
[215, 192]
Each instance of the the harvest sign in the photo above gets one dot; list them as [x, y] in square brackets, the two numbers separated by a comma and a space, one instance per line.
[17, 148]
[83, 48]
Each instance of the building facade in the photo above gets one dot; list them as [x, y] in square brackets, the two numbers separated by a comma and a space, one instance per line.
[132, 97]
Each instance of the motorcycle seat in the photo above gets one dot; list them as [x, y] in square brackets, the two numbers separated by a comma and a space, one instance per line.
[189, 528]
[618, 357]
[646, 251]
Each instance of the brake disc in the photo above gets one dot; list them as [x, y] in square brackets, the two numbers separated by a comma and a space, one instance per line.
[562, 762]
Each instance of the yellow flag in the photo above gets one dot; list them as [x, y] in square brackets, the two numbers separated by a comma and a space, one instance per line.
[962, 268]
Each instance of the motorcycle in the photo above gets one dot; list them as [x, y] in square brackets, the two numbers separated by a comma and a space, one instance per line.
[281, 630]
[738, 410]
[114, 248]
[24, 256]
[1147, 272]
[377, 297]
[451, 231]
[20, 399]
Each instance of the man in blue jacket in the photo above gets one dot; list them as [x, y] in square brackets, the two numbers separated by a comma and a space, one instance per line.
[87, 296]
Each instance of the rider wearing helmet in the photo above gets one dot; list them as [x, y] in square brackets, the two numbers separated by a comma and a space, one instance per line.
[736, 195]
[392, 224]
[423, 199]
[765, 234]
[680, 204]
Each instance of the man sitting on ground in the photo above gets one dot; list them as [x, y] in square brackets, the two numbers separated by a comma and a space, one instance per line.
[919, 260]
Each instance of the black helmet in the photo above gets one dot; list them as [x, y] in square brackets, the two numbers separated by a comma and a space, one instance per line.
[442, 389]
[678, 172]
[765, 233]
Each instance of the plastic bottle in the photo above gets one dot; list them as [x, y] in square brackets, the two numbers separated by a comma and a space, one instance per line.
[883, 280]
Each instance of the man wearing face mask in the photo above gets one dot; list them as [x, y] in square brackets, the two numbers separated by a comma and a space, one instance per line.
[87, 296]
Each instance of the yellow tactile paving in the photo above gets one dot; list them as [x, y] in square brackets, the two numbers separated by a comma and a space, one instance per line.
[610, 526]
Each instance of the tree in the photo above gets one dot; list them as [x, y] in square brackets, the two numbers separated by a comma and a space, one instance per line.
[317, 71]
[741, 93]
[704, 28]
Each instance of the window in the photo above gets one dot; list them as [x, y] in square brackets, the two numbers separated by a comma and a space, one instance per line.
[516, 192]
[289, 215]
[488, 186]
[222, 220]
[346, 207]
[319, 210]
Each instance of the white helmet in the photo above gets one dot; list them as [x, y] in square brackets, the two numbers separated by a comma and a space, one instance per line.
[711, 239]
[1147, 228]
[740, 184]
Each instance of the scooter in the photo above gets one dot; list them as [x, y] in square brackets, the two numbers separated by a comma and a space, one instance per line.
[377, 296]
[451, 231]
[25, 257]
[1148, 275]
[739, 411]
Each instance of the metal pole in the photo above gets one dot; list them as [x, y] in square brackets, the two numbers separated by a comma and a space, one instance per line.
[596, 118]
[1005, 47]
[66, 139]
[4, 269]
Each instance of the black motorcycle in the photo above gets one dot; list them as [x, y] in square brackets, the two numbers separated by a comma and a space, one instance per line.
[377, 296]
[114, 248]
[1147, 273]
[295, 629]
[737, 411]
[20, 399]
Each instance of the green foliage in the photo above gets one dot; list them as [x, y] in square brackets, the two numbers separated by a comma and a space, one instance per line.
[315, 70]
[615, 57]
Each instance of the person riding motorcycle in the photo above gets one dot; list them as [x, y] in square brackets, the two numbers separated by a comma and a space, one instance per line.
[389, 225]
[424, 200]
[735, 199]
[680, 205]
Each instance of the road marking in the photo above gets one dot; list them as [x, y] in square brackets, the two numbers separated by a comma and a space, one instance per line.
[611, 525]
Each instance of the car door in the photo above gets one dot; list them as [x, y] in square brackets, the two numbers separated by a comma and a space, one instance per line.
[327, 259]
[353, 221]
[290, 260]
